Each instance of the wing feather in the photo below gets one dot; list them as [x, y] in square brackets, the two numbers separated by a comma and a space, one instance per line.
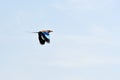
[41, 40]
[46, 37]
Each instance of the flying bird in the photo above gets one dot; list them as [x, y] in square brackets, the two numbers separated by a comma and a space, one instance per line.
[43, 36]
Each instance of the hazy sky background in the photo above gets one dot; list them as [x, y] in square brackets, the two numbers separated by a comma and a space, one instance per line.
[85, 44]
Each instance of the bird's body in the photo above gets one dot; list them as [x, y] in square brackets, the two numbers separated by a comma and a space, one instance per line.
[43, 36]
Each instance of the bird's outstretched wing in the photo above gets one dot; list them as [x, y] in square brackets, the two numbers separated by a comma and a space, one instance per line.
[46, 37]
[41, 39]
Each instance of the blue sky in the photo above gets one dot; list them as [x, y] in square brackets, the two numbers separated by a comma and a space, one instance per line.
[84, 45]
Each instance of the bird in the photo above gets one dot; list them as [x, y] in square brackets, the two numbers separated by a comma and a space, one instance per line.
[43, 36]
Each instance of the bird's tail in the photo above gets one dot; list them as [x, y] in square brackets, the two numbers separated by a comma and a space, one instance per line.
[31, 32]
[34, 32]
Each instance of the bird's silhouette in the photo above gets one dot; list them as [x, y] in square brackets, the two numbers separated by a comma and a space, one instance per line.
[43, 36]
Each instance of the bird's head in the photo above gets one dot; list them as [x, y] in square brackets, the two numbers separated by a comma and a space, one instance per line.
[46, 31]
[50, 31]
